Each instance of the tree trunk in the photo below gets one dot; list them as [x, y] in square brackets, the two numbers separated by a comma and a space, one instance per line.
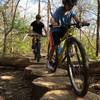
[48, 14]
[6, 29]
[4, 44]
[98, 29]
[39, 7]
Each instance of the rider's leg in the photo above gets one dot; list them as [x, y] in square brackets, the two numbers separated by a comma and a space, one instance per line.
[40, 46]
[49, 62]
[54, 41]
[33, 40]
[51, 52]
[33, 46]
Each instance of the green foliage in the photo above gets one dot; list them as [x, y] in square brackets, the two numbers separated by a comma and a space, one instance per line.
[24, 47]
[44, 44]
[20, 25]
[16, 45]
[89, 46]
[88, 42]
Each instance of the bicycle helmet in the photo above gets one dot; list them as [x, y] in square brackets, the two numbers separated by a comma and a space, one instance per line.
[38, 16]
[70, 2]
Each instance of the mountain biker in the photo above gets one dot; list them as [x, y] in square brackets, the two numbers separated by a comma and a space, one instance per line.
[61, 17]
[36, 28]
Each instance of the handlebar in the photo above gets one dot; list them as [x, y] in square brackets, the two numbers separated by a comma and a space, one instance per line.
[37, 35]
[77, 25]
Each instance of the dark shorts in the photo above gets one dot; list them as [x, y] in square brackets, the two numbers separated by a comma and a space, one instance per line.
[55, 36]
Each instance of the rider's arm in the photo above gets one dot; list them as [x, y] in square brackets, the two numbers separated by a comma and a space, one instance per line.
[30, 31]
[78, 21]
[45, 31]
[53, 22]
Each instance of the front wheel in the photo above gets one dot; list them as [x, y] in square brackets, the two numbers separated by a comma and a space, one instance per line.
[77, 66]
[37, 51]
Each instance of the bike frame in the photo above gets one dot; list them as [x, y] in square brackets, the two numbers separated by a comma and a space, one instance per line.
[60, 55]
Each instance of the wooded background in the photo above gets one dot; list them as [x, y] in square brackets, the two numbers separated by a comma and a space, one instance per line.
[14, 26]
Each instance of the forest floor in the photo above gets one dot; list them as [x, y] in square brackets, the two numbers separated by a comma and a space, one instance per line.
[34, 83]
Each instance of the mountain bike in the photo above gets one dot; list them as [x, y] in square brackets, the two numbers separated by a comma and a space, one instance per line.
[36, 45]
[73, 56]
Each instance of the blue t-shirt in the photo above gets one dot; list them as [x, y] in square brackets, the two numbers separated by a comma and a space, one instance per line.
[61, 18]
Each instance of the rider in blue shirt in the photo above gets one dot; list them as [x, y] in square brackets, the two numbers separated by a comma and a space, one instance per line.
[61, 17]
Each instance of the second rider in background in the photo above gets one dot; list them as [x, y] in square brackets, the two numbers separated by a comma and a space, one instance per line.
[36, 28]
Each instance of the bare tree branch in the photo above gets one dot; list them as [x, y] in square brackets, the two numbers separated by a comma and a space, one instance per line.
[13, 18]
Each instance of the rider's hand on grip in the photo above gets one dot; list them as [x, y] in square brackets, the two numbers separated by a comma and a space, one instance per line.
[86, 24]
[79, 25]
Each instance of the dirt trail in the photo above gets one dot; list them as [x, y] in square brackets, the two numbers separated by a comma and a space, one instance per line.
[34, 83]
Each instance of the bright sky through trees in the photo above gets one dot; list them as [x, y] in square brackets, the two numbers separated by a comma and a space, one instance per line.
[29, 8]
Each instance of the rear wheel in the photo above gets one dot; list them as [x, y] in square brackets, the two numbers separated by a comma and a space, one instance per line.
[77, 66]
